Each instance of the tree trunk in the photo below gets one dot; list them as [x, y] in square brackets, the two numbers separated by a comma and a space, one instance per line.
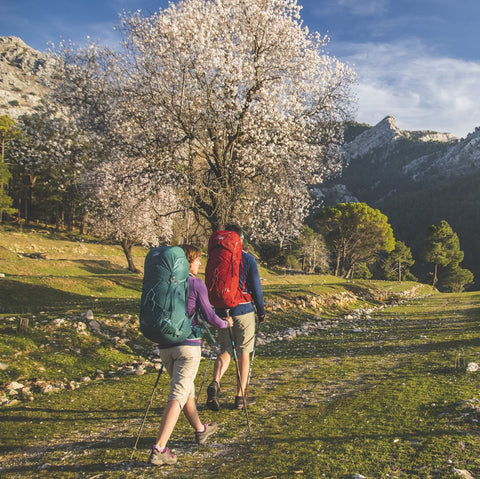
[127, 249]
[29, 197]
[337, 267]
[57, 217]
[435, 275]
[22, 325]
[84, 224]
[350, 272]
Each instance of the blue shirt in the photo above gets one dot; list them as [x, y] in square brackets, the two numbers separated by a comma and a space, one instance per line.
[252, 286]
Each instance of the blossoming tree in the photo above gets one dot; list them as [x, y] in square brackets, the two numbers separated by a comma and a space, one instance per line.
[127, 211]
[234, 102]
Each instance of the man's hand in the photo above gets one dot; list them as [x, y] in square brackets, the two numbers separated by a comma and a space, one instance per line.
[261, 319]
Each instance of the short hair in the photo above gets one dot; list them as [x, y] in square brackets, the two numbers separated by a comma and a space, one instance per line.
[236, 228]
[191, 252]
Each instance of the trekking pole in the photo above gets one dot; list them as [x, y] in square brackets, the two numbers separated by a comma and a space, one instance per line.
[202, 321]
[239, 376]
[251, 361]
[146, 412]
[205, 375]
[215, 346]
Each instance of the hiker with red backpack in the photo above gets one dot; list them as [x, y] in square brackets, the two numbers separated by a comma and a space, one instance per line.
[234, 289]
[169, 274]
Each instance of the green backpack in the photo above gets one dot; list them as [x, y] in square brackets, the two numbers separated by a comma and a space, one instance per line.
[163, 315]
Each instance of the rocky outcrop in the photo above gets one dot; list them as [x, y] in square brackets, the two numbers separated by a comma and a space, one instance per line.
[22, 70]
[459, 159]
[382, 135]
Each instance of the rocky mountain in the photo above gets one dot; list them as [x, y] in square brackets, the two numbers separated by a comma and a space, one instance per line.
[385, 139]
[386, 135]
[22, 70]
[417, 178]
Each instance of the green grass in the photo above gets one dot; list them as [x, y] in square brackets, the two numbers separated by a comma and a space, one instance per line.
[56, 351]
[385, 397]
[385, 402]
[74, 272]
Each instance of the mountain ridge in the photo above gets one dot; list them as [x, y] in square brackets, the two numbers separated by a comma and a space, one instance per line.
[385, 133]
[445, 152]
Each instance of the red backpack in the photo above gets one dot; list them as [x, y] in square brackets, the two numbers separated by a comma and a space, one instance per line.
[222, 272]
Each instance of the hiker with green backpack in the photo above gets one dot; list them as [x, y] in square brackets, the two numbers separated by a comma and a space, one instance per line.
[234, 288]
[171, 296]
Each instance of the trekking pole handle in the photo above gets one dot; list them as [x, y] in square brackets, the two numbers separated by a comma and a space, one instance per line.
[228, 316]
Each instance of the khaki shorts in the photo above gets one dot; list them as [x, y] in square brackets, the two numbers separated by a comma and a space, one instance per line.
[243, 334]
[182, 363]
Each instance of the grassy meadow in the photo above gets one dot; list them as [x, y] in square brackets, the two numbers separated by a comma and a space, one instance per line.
[385, 395]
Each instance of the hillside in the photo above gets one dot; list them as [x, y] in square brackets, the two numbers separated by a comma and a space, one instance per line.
[345, 385]
[81, 305]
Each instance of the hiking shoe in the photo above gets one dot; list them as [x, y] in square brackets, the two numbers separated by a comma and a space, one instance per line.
[213, 392]
[159, 458]
[201, 437]
[238, 404]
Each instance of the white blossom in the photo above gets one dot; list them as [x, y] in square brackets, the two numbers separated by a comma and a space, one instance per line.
[126, 208]
[233, 103]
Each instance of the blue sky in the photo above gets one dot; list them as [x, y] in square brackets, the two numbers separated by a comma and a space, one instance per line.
[417, 60]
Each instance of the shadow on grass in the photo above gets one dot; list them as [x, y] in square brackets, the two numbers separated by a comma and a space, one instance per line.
[100, 467]
[81, 470]
[28, 415]
[18, 297]
[97, 448]
[334, 440]
[101, 267]
[348, 344]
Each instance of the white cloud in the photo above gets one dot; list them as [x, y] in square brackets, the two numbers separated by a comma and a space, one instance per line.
[422, 91]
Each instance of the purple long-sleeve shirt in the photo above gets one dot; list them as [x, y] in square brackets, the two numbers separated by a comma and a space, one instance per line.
[198, 301]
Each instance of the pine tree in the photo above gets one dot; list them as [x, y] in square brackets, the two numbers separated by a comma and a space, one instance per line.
[7, 133]
[396, 265]
[442, 248]
[356, 233]
[455, 278]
